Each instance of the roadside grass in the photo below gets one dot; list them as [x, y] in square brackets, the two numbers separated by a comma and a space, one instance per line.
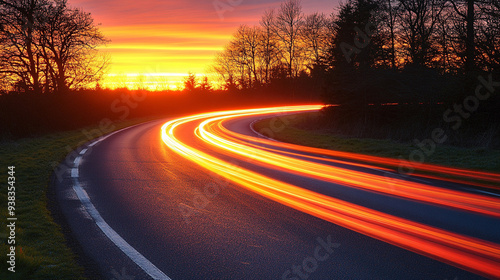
[41, 249]
[294, 132]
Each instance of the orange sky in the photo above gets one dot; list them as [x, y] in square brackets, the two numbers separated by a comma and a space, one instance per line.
[157, 42]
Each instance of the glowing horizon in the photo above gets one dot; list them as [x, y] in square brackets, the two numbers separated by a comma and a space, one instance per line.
[163, 41]
[149, 81]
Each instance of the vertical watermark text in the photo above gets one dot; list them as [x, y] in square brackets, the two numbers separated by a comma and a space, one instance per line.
[11, 218]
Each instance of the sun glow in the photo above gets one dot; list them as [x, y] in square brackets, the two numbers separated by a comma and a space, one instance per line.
[148, 81]
[156, 37]
[159, 56]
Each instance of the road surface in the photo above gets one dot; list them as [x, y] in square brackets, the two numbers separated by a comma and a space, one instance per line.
[206, 197]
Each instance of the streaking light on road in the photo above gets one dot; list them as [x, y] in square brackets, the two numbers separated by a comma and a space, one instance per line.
[469, 253]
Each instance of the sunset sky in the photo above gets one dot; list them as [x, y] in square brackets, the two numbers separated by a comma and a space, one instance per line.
[158, 42]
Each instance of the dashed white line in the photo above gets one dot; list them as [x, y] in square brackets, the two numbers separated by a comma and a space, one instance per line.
[126, 248]
[148, 267]
[74, 172]
[77, 160]
[81, 193]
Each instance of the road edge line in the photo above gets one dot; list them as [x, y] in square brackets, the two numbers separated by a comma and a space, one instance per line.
[141, 261]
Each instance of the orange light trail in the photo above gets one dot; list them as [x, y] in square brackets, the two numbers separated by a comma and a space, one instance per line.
[473, 254]
[210, 131]
[492, 178]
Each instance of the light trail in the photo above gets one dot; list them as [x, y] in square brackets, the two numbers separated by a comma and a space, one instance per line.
[473, 254]
[467, 176]
[210, 131]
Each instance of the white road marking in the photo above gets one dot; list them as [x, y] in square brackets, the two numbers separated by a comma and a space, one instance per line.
[126, 248]
[74, 172]
[149, 268]
[258, 133]
[475, 190]
[77, 161]
[81, 193]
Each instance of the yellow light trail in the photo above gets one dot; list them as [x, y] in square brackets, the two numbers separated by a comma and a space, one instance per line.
[492, 178]
[473, 254]
[211, 131]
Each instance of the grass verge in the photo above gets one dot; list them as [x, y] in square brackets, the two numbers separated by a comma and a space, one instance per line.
[294, 131]
[42, 251]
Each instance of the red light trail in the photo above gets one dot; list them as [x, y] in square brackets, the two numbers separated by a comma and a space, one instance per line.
[473, 254]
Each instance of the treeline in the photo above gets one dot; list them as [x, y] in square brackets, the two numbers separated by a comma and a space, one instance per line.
[380, 41]
[428, 57]
[46, 46]
[396, 67]
[286, 44]
[30, 115]
[412, 51]
[452, 36]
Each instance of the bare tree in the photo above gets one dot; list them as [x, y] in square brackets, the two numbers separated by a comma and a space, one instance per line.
[315, 36]
[269, 47]
[248, 40]
[240, 57]
[288, 24]
[69, 38]
[419, 21]
[19, 57]
[47, 46]
[389, 25]
[231, 65]
[488, 35]
[448, 60]
[224, 69]
[465, 9]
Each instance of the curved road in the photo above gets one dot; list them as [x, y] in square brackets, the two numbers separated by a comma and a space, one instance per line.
[206, 197]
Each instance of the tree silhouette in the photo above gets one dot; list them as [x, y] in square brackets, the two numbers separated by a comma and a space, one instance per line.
[190, 82]
[205, 85]
[469, 17]
[368, 51]
[288, 25]
[48, 46]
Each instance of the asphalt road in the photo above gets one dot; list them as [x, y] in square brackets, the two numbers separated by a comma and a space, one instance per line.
[191, 223]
